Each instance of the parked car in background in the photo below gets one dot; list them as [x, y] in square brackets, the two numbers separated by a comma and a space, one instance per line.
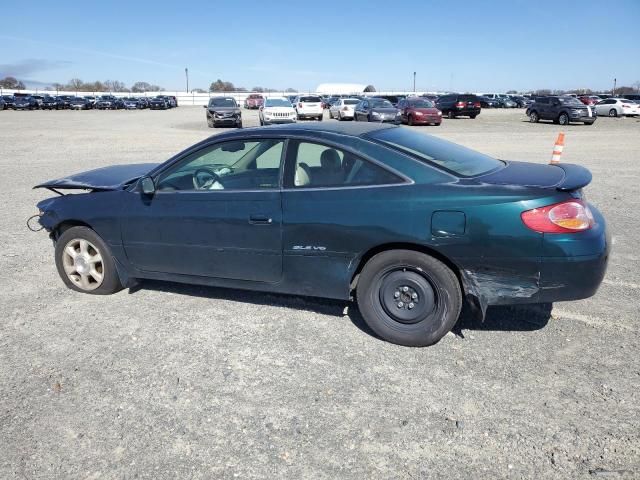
[507, 102]
[9, 101]
[394, 99]
[486, 102]
[173, 101]
[590, 100]
[617, 107]
[309, 106]
[520, 101]
[50, 103]
[38, 99]
[3, 104]
[277, 110]
[254, 101]
[459, 105]
[277, 210]
[419, 111]
[561, 109]
[223, 111]
[64, 100]
[131, 103]
[343, 108]
[375, 109]
[79, 103]
[292, 99]
[25, 102]
[158, 103]
[92, 100]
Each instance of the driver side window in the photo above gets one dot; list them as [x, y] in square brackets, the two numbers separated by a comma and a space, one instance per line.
[234, 165]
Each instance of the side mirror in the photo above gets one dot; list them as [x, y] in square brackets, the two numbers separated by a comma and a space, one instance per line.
[147, 186]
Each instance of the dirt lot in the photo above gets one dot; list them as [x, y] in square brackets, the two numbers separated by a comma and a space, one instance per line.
[172, 381]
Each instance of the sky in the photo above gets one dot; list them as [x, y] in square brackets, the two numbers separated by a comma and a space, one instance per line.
[451, 45]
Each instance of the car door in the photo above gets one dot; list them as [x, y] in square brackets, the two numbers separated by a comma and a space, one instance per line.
[331, 205]
[215, 212]
[402, 106]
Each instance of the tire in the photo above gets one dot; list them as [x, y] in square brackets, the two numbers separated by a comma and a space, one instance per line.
[380, 292]
[613, 112]
[472, 116]
[320, 118]
[563, 119]
[261, 123]
[239, 124]
[534, 117]
[588, 123]
[98, 277]
[410, 120]
[450, 114]
[210, 123]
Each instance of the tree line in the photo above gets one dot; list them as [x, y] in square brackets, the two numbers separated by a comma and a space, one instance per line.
[75, 84]
[224, 86]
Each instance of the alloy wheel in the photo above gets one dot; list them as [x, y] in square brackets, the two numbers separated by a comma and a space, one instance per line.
[83, 264]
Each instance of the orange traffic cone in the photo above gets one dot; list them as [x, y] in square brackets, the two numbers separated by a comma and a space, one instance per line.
[557, 149]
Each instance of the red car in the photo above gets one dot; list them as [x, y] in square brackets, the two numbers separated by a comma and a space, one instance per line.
[590, 100]
[254, 101]
[419, 111]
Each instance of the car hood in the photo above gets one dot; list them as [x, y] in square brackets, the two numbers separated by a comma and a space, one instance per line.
[563, 176]
[114, 177]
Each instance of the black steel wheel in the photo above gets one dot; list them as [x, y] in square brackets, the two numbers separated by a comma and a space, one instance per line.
[409, 298]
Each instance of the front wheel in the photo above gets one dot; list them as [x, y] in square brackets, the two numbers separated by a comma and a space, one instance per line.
[450, 114]
[320, 118]
[613, 112]
[409, 298]
[85, 263]
[472, 116]
[563, 119]
[534, 117]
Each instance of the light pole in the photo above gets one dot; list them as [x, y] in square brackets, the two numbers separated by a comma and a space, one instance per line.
[414, 82]
[614, 87]
[186, 74]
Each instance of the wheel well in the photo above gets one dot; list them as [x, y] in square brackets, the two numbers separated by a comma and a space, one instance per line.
[405, 246]
[66, 225]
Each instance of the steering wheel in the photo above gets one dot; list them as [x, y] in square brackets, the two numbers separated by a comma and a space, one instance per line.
[204, 177]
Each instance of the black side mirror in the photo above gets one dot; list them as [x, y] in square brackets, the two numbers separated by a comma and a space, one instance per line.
[147, 185]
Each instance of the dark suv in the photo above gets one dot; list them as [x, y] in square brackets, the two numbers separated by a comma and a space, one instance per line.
[459, 105]
[561, 109]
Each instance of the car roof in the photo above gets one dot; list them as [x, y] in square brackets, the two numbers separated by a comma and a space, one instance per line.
[353, 129]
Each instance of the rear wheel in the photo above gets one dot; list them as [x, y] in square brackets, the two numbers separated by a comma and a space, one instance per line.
[410, 121]
[563, 119]
[85, 263]
[472, 116]
[613, 112]
[320, 118]
[210, 123]
[450, 114]
[534, 117]
[408, 298]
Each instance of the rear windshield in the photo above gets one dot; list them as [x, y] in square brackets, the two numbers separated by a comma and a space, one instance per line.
[351, 102]
[467, 98]
[310, 99]
[223, 102]
[455, 158]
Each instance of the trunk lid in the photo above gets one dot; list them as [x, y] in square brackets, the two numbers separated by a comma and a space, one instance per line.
[563, 176]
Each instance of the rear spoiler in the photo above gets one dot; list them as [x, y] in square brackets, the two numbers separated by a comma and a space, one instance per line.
[575, 177]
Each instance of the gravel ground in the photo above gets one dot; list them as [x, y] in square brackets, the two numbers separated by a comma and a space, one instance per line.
[174, 381]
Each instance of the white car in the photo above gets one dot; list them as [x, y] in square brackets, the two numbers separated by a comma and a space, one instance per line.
[343, 108]
[617, 107]
[277, 110]
[309, 106]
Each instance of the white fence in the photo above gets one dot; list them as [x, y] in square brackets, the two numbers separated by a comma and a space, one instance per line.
[187, 99]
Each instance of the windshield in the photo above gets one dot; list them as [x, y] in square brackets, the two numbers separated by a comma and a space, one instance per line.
[277, 102]
[570, 101]
[310, 99]
[223, 102]
[421, 104]
[379, 103]
[455, 158]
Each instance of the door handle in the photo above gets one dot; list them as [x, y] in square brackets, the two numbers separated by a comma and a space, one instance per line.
[260, 220]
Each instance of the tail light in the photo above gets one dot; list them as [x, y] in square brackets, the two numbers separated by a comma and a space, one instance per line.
[476, 105]
[566, 217]
[460, 104]
[624, 105]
